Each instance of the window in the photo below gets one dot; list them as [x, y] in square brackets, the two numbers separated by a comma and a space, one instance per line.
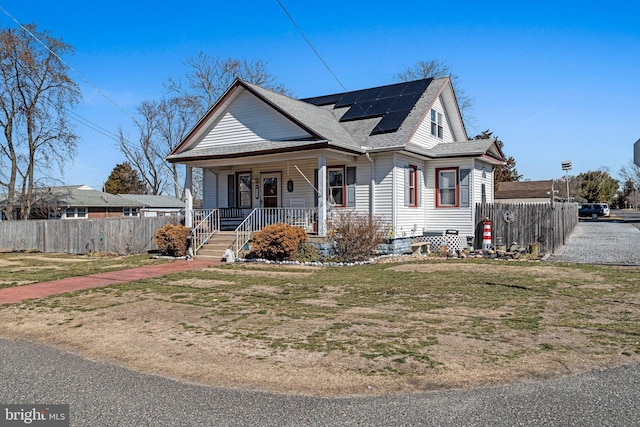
[336, 186]
[446, 183]
[351, 186]
[436, 123]
[412, 186]
[71, 213]
[244, 190]
[130, 212]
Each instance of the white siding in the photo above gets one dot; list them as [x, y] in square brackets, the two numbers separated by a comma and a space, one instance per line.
[209, 190]
[423, 136]
[409, 220]
[384, 187]
[441, 219]
[248, 120]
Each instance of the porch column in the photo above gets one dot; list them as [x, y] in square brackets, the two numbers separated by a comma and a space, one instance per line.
[188, 198]
[322, 197]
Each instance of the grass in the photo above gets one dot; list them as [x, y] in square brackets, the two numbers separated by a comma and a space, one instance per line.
[20, 268]
[413, 322]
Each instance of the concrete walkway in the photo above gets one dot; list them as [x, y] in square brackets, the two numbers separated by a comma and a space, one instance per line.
[44, 289]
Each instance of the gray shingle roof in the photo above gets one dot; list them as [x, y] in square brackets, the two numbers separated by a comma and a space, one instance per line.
[154, 201]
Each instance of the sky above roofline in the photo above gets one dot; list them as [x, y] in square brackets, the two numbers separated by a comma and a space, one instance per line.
[554, 81]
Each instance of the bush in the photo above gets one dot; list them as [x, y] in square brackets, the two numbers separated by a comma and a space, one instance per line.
[356, 237]
[307, 253]
[173, 240]
[278, 242]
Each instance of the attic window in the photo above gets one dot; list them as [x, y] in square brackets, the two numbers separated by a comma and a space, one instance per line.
[436, 123]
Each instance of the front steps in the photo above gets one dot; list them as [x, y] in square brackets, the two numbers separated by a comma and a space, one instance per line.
[217, 244]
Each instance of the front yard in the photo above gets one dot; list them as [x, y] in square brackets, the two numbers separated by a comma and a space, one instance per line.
[382, 328]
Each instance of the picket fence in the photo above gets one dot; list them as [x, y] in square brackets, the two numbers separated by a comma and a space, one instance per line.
[548, 225]
[123, 236]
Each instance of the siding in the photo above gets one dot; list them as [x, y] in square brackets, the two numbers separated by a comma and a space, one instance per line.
[410, 221]
[384, 187]
[209, 193]
[441, 219]
[423, 136]
[250, 120]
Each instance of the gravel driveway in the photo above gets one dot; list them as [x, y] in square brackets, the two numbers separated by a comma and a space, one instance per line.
[601, 242]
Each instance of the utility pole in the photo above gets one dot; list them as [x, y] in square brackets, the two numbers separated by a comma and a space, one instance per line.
[566, 167]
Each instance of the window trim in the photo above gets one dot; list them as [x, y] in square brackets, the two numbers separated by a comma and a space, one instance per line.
[437, 129]
[456, 204]
[413, 186]
[344, 189]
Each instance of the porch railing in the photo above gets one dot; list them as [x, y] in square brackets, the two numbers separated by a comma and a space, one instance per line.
[206, 222]
[262, 217]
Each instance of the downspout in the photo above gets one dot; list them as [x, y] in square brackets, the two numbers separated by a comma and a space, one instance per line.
[372, 186]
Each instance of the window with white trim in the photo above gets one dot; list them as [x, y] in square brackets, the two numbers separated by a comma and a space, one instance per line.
[74, 213]
[447, 188]
[436, 124]
[130, 212]
[336, 186]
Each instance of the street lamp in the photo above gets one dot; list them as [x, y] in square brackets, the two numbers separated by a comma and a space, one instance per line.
[566, 166]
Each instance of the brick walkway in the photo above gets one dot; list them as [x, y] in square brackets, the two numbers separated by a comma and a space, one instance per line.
[71, 284]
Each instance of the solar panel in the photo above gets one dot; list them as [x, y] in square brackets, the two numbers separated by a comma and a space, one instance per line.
[390, 122]
[392, 102]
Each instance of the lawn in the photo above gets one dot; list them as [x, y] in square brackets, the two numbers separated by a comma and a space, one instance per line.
[382, 328]
[23, 268]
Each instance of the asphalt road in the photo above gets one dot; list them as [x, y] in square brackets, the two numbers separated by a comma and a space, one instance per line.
[100, 394]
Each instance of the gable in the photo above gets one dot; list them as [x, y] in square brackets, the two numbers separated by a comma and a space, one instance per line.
[249, 120]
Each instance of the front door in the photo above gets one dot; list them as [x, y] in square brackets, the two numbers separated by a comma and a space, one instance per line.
[270, 190]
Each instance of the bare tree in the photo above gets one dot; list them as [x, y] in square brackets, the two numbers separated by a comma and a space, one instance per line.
[163, 124]
[436, 68]
[35, 95]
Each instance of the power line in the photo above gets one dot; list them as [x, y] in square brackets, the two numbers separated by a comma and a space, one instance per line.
[311, 46]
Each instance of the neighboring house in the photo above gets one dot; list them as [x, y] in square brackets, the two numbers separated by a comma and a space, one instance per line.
[400, 152]
[155, 205]
[526, 192]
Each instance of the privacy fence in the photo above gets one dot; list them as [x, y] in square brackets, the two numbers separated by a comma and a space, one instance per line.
[548, 225]
[123, 236]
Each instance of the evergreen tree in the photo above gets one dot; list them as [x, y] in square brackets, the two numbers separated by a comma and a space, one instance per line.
[124, 180]
[506, 172]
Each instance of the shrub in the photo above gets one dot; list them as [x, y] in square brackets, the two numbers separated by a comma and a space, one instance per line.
[356, 236]
[172, 240]
[307, 253]
[278, 242]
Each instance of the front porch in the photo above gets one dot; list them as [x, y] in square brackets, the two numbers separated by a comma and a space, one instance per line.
[245, 222]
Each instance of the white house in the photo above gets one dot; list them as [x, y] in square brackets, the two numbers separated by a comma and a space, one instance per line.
[400, 152]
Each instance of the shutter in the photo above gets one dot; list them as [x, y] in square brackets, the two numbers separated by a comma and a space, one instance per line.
[420, 182]
[464, 188]
[406, 186]
[351, 186]
[231, 191]
[315, 185]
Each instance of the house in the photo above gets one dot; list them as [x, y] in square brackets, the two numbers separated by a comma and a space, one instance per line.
[399, 152]
[84, 202]
[155, 205]
[526, 192]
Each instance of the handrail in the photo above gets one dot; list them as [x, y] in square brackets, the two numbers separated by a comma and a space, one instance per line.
[206, 222]
[262, 217]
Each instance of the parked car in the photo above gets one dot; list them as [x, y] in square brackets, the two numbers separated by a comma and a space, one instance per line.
[605, 208]
[592, 210]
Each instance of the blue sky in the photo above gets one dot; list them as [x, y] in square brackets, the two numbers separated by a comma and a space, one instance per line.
[553, 80]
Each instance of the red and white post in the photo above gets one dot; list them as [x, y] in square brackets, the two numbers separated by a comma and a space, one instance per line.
[486, 234]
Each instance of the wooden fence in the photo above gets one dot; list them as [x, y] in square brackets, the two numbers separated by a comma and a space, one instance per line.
[548, 225]
[123, 236]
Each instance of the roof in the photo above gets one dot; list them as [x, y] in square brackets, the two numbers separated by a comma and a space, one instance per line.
[361, 121]
[524, 190]
[81, 196]
[154, 201]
